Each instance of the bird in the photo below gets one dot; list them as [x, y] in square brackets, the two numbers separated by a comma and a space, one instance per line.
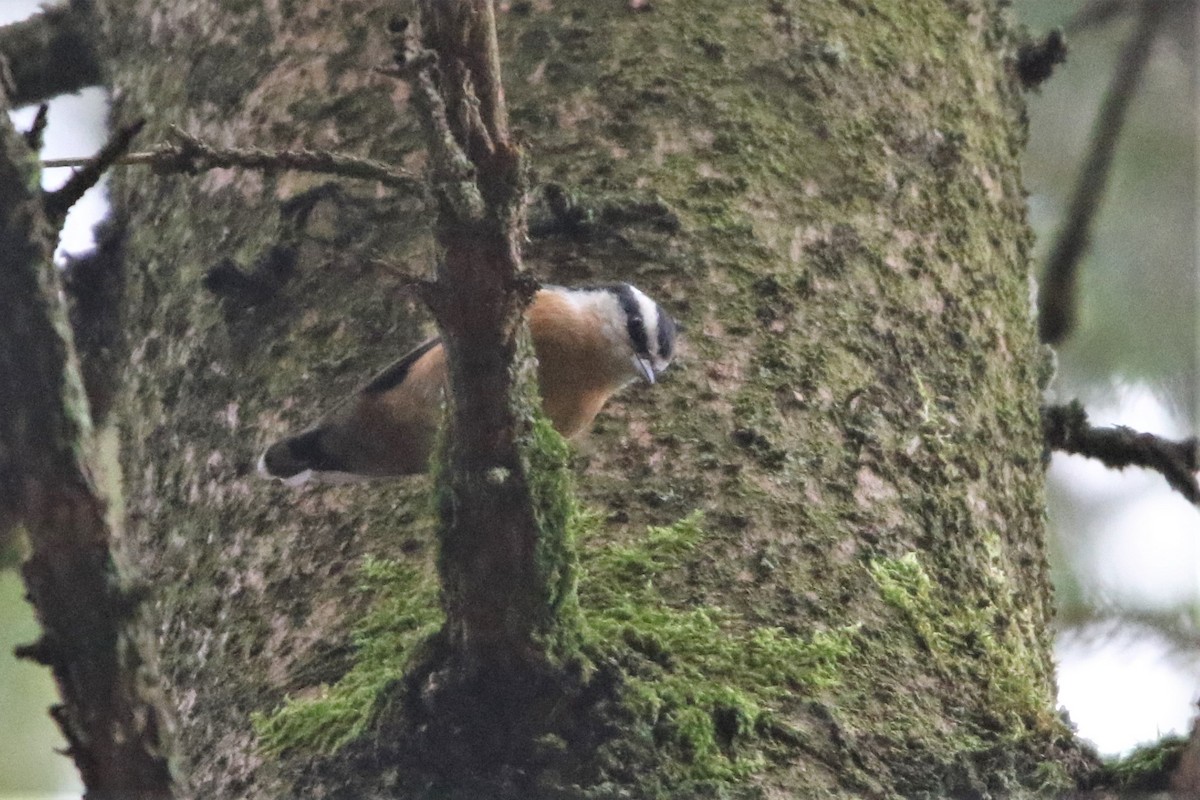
[590, 342]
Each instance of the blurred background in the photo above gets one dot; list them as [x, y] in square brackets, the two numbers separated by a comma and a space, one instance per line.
[1125, 548]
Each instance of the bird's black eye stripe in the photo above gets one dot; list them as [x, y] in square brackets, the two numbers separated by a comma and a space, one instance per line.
[634, 324]
[637, 335]
[666, 335]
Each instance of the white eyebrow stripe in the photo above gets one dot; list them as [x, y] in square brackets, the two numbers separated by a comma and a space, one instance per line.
[649, 312]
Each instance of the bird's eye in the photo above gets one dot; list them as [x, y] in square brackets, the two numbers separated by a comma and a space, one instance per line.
[637, 336]
[666, 336]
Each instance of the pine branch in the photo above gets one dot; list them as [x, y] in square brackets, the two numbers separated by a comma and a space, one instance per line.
[190, 155]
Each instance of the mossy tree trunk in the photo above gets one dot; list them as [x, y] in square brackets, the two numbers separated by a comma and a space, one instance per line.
[826, 193]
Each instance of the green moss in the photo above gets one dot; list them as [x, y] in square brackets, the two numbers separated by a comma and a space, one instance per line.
[699, 682]
[1051, 779]
[697, 686]
[983, 642]
[405, 614]
[1146, 769]
[905, 585]
[558, 519]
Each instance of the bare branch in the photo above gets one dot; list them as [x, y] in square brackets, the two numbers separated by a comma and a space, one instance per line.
[1088, 623]
[59, 202]
[33, 136]
[467, 63]
[191, 155]
[1066, 428]
[1058, 284]
[452, 171]
[50, 53]
[46, 487]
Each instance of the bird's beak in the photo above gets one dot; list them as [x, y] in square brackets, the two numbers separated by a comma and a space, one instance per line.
[644, 368]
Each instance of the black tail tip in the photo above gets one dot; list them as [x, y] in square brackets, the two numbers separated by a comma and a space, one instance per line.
[277, 461]
[294, 460]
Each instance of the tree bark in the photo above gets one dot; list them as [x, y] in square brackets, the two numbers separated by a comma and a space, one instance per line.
[844, 589]
[499, 597]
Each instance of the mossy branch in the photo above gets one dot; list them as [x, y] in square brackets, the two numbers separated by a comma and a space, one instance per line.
[46, 488]
[506, 562]
[1146, 770]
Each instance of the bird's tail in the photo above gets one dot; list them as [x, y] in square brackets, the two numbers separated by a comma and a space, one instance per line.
[301, 458]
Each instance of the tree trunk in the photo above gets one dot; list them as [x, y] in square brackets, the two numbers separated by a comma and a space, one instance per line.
[846, 591]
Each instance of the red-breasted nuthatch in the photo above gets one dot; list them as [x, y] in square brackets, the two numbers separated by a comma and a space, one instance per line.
[589, 342]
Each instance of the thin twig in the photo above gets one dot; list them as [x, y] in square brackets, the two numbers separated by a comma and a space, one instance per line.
[1096, 14]
[1058, 285]
[1066, 428]
[59, 202]
[452, 171]
[190, 155]
[129, 159]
